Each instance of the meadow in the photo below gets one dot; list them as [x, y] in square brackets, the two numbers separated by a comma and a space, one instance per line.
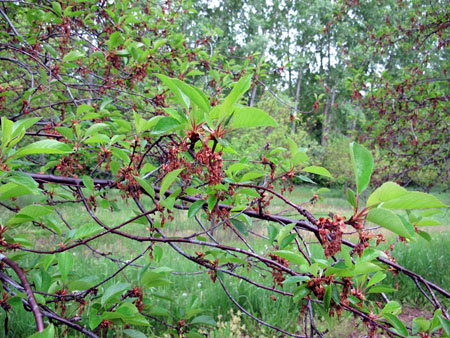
[191, 293]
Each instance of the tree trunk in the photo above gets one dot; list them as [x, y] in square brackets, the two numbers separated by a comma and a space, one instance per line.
[324, 122]
[327, 114]
[253, 95]
[297, 99]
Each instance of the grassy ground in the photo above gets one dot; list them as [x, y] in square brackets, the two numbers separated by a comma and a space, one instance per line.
[195, 291]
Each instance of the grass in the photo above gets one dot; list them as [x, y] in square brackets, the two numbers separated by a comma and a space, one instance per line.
[193, 294]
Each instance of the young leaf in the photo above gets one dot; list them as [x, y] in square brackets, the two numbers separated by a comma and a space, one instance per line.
[351, 198]
[376, 278]
[49, 332]
[146, 186]
[318, 171]
[248, 117]
[239, 225]
[414, 200]
[65, 264]
[362, 166]
[181, 98]
[73, 56]
[168, 180]
[204, 320]
[392, 307]
[387, 219]
[239, 89]
[164, 125]
[113, 293]
[134, 333]
[327, 297]
[397, 324]
[386, 192]
[88, 183]
[292, 257]
[195, 208]
[43, 147]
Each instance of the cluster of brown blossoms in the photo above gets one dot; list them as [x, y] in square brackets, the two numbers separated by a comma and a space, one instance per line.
[277, 273]
[330, 231]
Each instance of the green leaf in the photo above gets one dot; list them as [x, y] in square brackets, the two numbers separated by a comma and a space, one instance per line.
[179, 95]
[248, 117]
[296, 279]
[212, 200]
[387, 219]
[7, 127]
[113, 293]
[362, 166]
[420, 324]
[381, 288]
[364, 268]
[44, 147]
[272, 233]
[114, 40]
[195, 208]
[300, 292]
[445, 324]
[83, 108]
[128, 313]
[251, 176]
[397, 324]
[49, 332]
[428, 222]
[154, 279]
[168, 180]
[376, 278]
[299, 157]
[351, 198]
[30, 213]
[291, 257]
[287, 240]
[88, 183]
[239, 89]
[194, 94]
[134, 333]
[73, 56]
[318, 171]
[51, 50]
[204, 320]
[57, 8]
[65, 264]
[83, 283]
[146, 186]
[392, 307]
[386, 192]
[414, 200]
[284, 232]
[425, 235]
[87, 230]
[240, 226]
[165, 125]
[327, 297]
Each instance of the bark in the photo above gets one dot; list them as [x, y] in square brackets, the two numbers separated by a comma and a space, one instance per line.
[297, 99]
[327, 114]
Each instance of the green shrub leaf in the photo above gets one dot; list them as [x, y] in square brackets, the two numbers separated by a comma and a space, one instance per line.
[362, 161]
[387, 219]
[318, 171]
[414, 200]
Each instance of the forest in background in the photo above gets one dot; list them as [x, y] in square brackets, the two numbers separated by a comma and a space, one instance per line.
[335, 71]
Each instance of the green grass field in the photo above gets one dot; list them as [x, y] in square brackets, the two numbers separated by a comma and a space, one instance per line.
[191, 291]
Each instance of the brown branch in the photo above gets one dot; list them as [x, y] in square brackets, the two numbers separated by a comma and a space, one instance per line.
[29, 292]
